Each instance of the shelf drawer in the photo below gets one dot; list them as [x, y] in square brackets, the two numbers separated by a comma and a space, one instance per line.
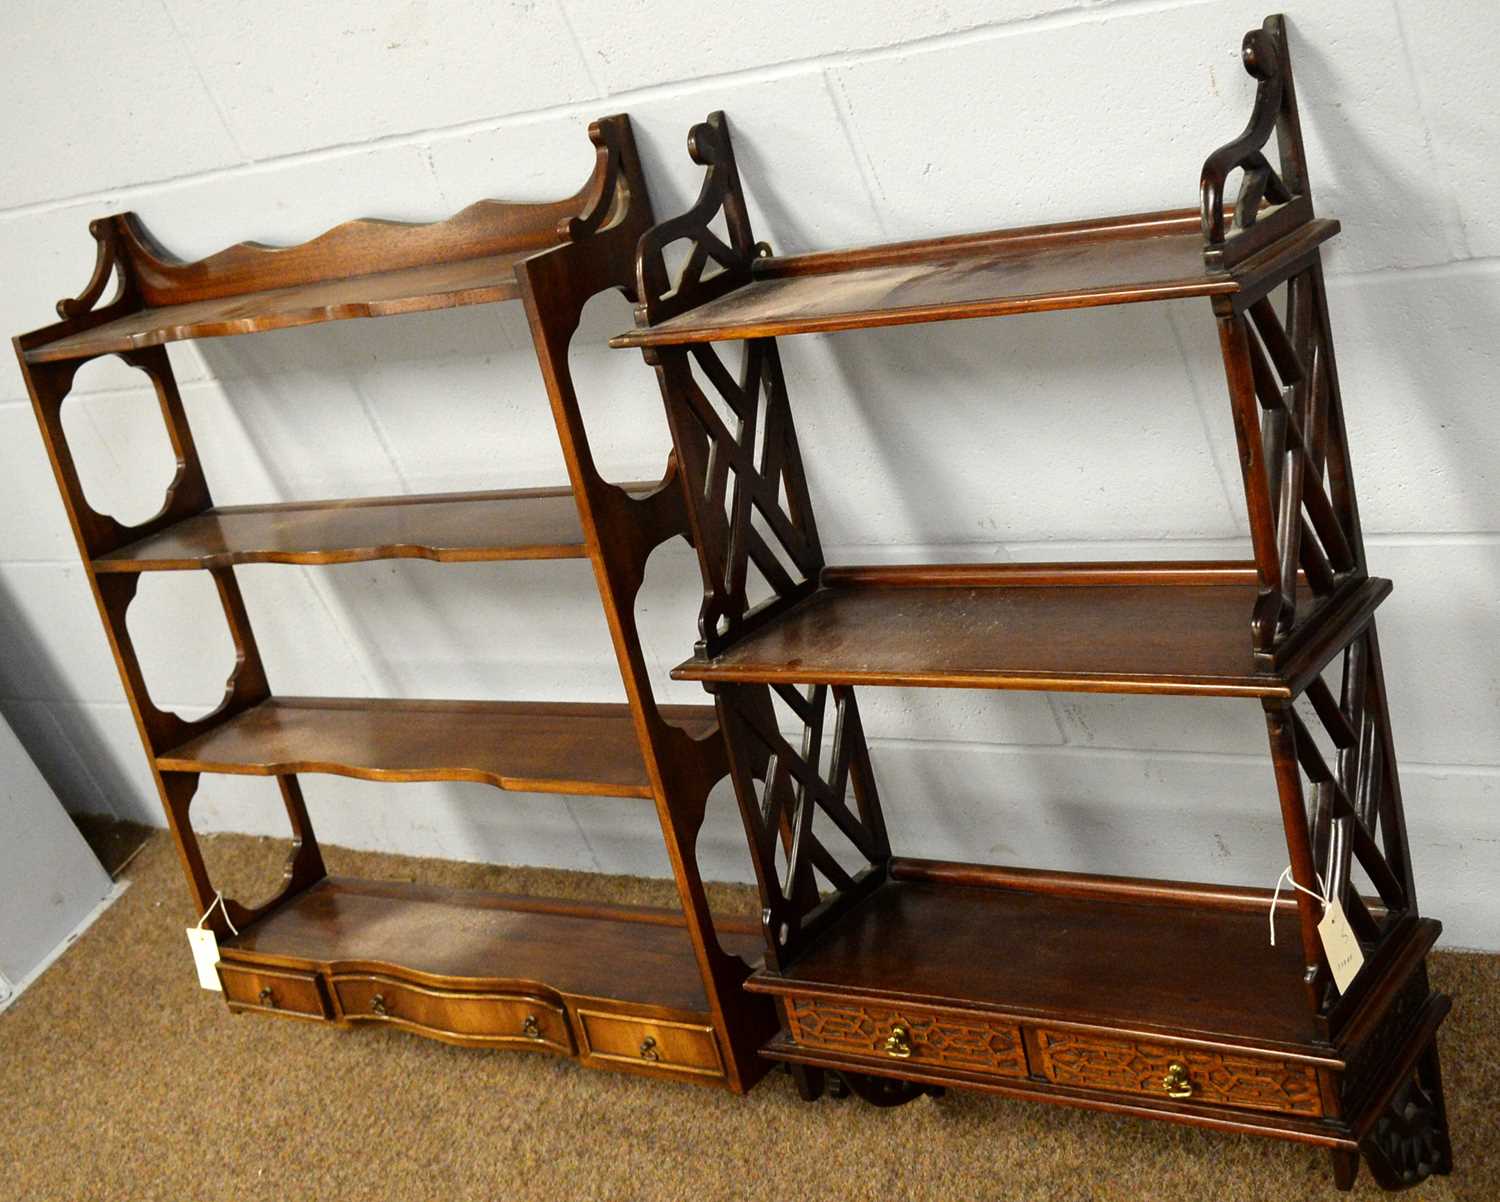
[1186, 1074]
[458, 1016]
[273, 991]
[673, 1047]
[898, 1035]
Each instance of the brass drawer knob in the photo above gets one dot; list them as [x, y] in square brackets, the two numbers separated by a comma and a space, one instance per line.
[267, 998]
[1176, 1082]
[898, 1043]
[530, 1027]
[378, 1006]
[648, 1049]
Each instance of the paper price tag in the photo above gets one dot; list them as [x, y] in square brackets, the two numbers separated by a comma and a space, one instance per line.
[205, 955]
[1345, 956]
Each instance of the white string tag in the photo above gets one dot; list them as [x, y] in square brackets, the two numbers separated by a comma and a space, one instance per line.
[205, 945]
[1345, 956]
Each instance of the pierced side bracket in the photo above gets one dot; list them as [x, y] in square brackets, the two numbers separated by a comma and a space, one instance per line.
[1284, 192]
[660, 296]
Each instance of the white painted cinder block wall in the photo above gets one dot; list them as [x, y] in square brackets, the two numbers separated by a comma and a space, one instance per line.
[1096, 435]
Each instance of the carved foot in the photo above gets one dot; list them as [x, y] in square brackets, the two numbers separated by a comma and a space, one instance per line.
[810, 1081]
[1409, 1141]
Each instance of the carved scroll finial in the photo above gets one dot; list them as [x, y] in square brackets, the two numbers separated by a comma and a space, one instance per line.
[106, 262]
[662, 296]
[1264, 53]
[614, 165]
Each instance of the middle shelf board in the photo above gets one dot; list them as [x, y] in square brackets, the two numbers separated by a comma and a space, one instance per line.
[523, 523]
[1080, 264]
[464, 936]
[524, 746]
[1016, 627]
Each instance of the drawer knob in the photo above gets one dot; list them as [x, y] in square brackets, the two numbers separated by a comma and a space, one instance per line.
[1176, 1082]
[530, 1027]
[648, 1049]
[898, 1043]
[267, 998]
[378, 1006]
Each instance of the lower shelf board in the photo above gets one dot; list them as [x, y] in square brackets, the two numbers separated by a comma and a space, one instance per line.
[615, 986]
[528, 746]
[1174, 1008]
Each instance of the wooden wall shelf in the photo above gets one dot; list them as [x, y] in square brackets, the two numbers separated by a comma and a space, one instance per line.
[1120, 637]
[640, 991]
[1111, 261]
[526, 747]
[522, 523]
[1160, 999]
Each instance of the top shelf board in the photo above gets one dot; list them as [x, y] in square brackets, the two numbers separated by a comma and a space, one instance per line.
[1152, 256]
[381, 294]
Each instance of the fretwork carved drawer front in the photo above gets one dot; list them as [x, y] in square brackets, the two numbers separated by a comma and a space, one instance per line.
[908, 1035]
[1132, 1066]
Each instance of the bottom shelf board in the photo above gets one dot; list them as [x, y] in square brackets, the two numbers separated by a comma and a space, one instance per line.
[528, 746]
[1169, 967]
[469, 938]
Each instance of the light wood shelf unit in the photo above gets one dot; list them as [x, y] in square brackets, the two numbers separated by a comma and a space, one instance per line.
[1154, 998]
[647, 991]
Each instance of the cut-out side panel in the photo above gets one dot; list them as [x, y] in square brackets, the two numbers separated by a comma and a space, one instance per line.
[253, 881]
[617, 401]
[122, 451]
[184, 646]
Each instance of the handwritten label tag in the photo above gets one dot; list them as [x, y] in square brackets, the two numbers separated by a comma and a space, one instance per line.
[1345, 956]
[205, 955]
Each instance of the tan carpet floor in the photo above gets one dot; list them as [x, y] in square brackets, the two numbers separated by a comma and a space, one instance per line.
[120, 1079]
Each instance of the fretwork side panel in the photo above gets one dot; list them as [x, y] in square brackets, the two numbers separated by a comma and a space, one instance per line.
[1341, 795]
[752, 524]
[1279, 364]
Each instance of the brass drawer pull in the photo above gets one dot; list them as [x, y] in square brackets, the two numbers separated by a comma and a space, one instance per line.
[267, 998]
[530, 1027]
[898, 1043]
[378, 1006]
[648, 1049]
[1176, 1082]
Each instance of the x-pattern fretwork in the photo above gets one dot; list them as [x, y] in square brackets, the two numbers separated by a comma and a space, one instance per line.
[1308, 532]
[743, 468]
[792, 791]
[1353, 802]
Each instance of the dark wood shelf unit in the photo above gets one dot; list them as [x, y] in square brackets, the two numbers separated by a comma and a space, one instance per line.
[471, 527]
[1078, 627]
[1160, 999]
[1109, 261]
[641, 991]
[523, 746]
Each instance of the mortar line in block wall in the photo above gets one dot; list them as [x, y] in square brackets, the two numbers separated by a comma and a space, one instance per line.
[619, 101]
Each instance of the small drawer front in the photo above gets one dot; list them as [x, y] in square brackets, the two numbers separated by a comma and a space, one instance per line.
[908, 1035]
[679, 1047]
[473, 1018]
[273, 990]
[1183, 1074]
